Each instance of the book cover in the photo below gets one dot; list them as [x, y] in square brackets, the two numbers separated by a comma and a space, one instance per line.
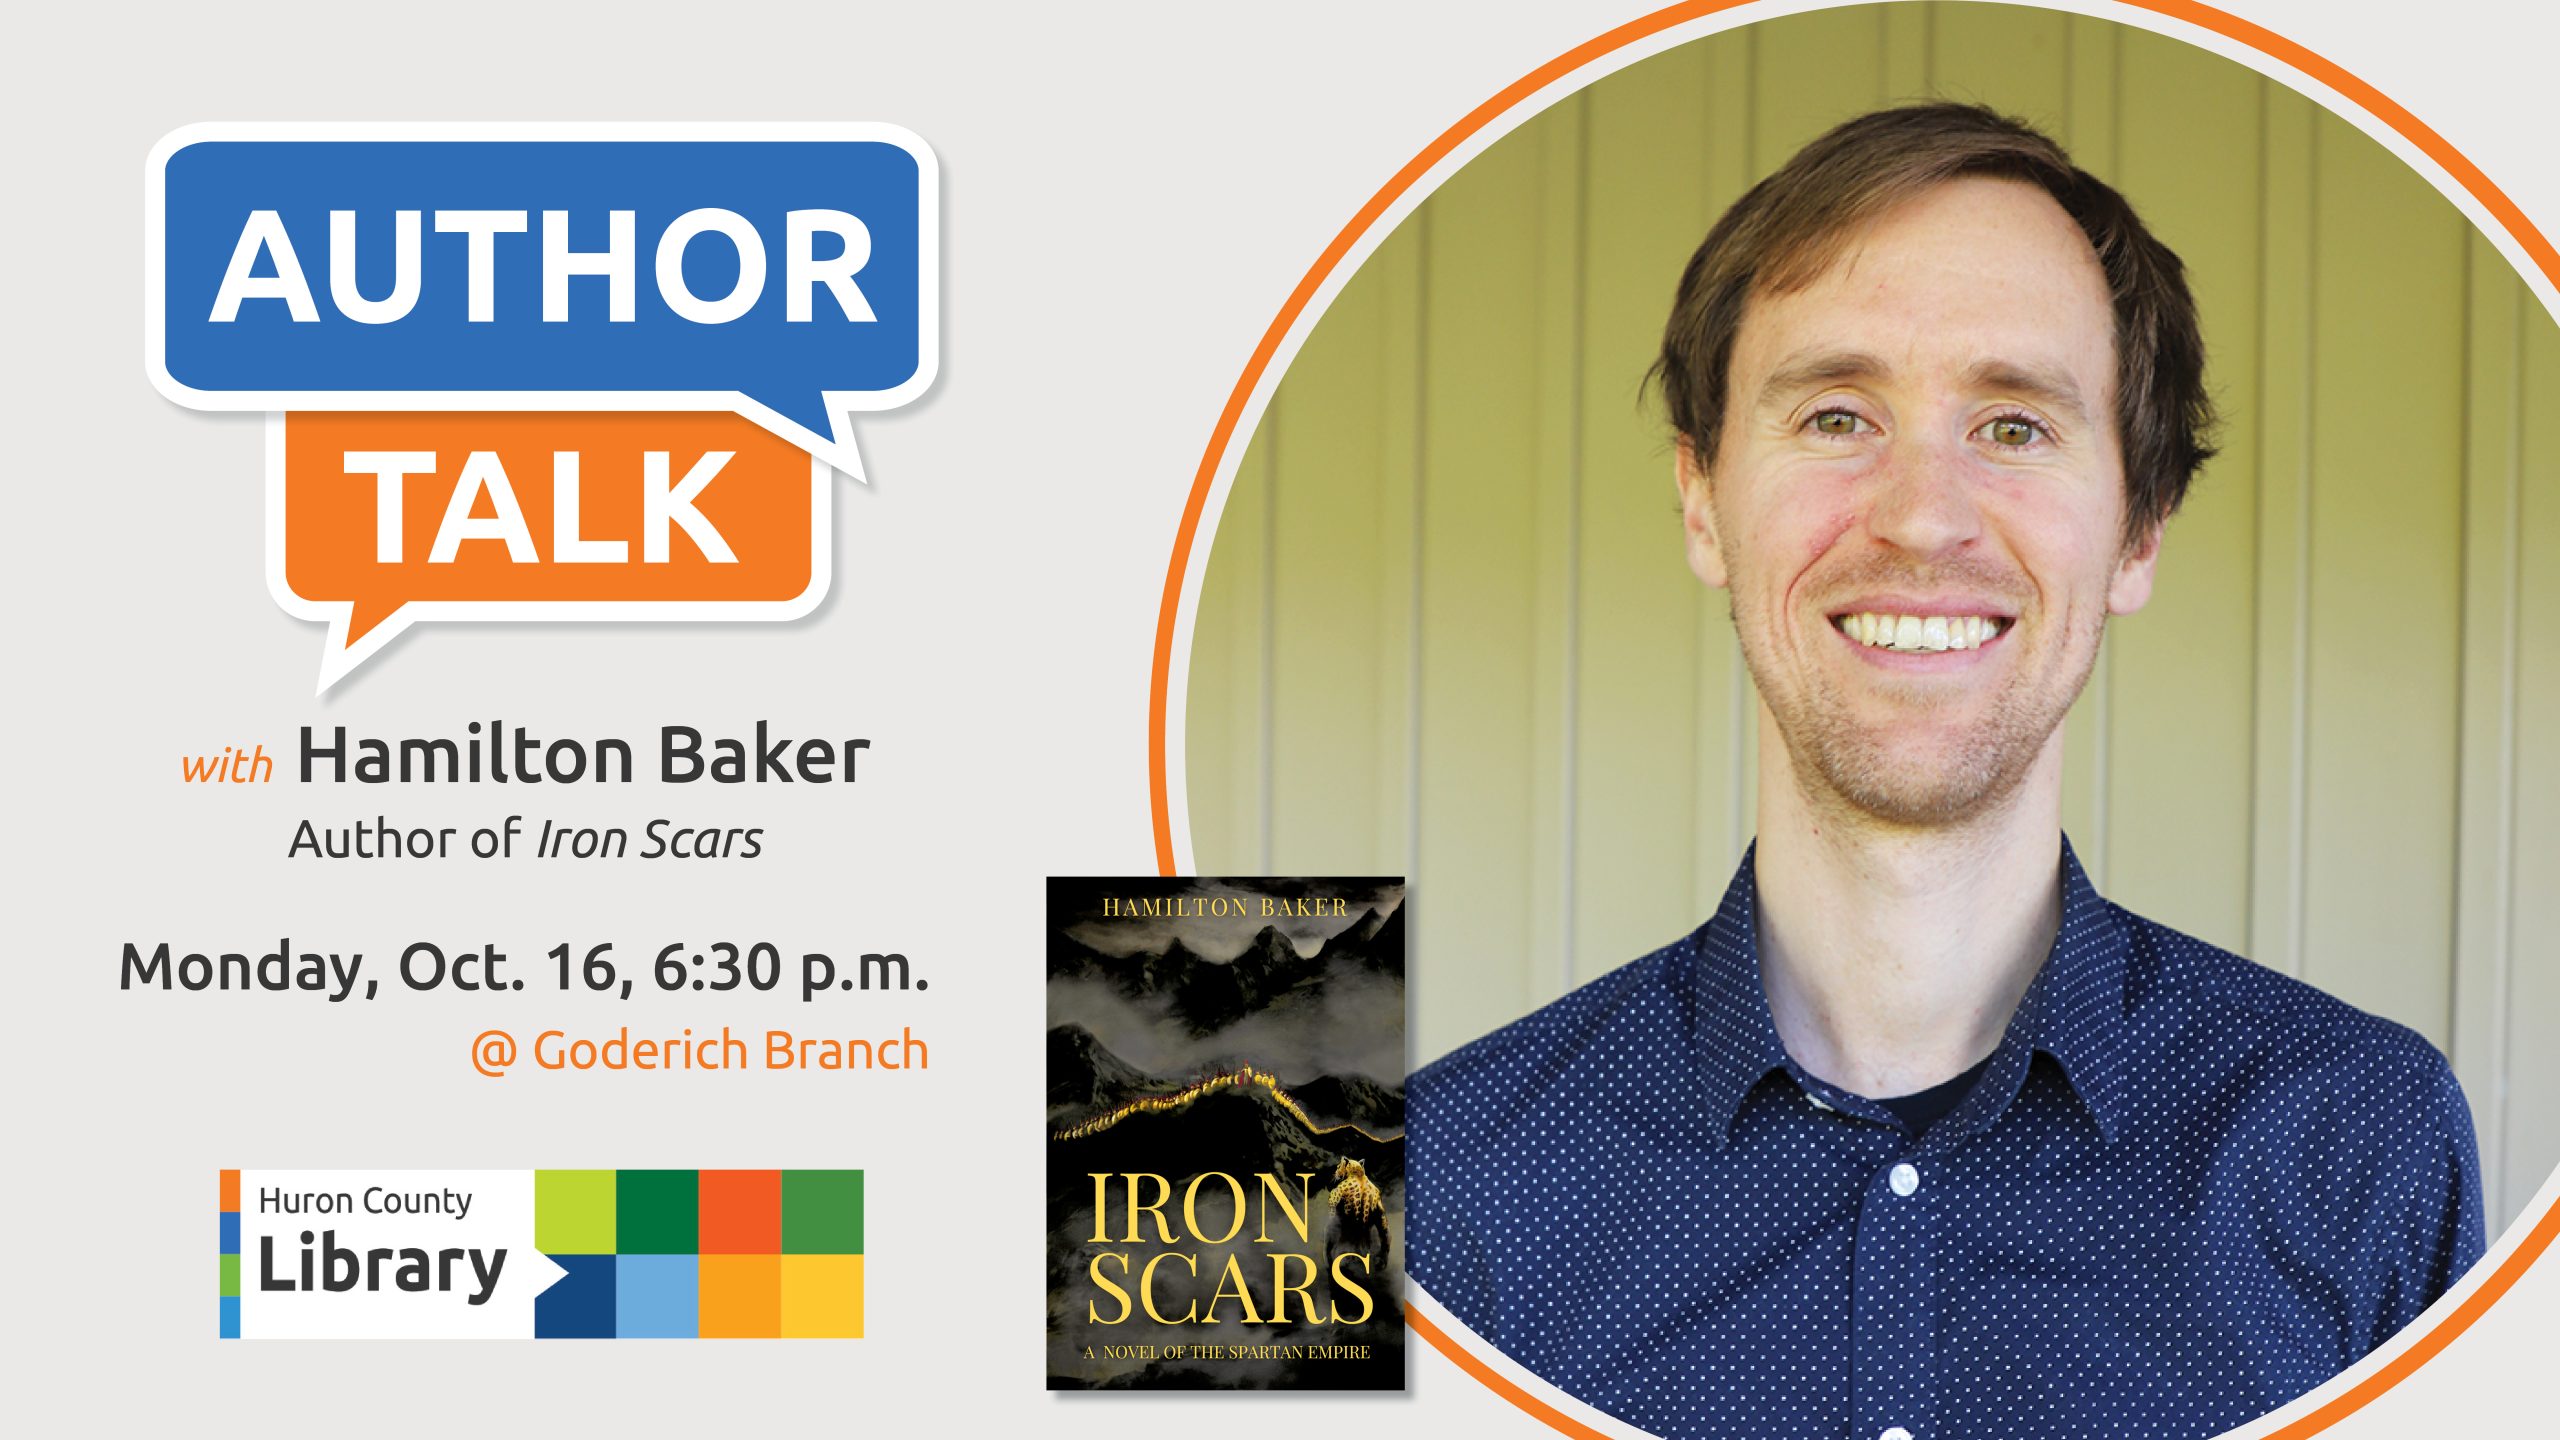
[1226, 1134]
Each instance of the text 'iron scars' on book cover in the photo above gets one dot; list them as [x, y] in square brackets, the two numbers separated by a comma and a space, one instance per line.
[1226, 1134]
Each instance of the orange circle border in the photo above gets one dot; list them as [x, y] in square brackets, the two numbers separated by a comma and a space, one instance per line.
[2256, 37]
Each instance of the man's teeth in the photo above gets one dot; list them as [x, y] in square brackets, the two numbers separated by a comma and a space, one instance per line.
[1918, 632]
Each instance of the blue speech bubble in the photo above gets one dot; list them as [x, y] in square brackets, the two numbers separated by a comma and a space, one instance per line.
[787, 273]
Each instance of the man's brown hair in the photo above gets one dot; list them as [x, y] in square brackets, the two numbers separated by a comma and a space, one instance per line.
[1792, 225]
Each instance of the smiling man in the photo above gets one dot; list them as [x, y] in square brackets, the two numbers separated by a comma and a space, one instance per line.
[1919, 1136]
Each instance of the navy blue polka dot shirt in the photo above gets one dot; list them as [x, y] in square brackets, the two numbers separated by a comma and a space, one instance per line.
[2185, 1190]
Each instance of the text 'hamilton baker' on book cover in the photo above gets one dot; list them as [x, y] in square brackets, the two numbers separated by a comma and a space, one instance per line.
[1226, 1134]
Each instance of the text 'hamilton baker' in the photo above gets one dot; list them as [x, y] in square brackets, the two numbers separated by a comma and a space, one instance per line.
[501, 753]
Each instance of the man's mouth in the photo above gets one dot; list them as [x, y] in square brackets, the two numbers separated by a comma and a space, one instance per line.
[1921, 634]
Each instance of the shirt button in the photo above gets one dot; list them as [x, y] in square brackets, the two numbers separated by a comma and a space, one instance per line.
[1904, 1179]
[1897, 1432]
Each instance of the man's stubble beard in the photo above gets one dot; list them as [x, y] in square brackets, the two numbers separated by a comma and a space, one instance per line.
[1858, 767]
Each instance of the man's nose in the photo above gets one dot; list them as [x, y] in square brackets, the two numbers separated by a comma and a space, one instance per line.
[1924, 499]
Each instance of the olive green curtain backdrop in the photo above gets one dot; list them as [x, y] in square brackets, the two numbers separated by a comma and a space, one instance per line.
[1447, 631]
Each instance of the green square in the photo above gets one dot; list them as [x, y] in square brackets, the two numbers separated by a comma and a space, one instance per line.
[230, 1275]
[654, 1212]
[573, 1212]
[821, 1212]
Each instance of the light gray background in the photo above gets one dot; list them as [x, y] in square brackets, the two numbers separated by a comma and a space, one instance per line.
[1128, 196]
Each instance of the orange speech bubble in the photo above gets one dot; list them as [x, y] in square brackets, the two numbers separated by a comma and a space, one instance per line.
[378, 520]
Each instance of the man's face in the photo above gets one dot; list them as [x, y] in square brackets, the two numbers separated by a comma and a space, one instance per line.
[1924, 435]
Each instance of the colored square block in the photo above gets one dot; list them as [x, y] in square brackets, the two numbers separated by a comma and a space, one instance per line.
[580, 1306]
[231, 1275]
[573, 1212]
[741, 1297]
[656, 1297]
[741, 1212]
[230, 1189]
[230, 1232]
[230, 1317]
[821, 1297]
[821, 1212]
[653, 1211]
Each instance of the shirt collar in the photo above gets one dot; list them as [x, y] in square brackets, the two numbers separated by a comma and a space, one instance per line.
[2073, 1010]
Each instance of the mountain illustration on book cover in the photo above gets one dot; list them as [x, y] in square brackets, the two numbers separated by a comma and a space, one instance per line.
[1226, 1134]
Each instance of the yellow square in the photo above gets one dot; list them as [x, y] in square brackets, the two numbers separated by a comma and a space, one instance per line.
[821, 1297]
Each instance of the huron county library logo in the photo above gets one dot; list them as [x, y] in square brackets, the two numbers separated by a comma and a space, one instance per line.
[542, 1254]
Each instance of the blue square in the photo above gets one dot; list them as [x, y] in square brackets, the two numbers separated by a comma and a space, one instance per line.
[580, 1306]
[230, 1317]
[657, 1297]
[230, 1232]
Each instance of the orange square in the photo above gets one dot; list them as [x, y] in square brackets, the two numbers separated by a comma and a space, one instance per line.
[741, 1297]
[821, 1297]
[741, 1212]
[231, 1190]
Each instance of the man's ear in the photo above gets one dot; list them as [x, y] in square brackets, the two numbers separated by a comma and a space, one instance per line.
[2130, 590]
[1697, 516]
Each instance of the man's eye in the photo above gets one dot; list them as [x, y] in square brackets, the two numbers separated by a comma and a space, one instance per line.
[1838, 422]
[2013, 432]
